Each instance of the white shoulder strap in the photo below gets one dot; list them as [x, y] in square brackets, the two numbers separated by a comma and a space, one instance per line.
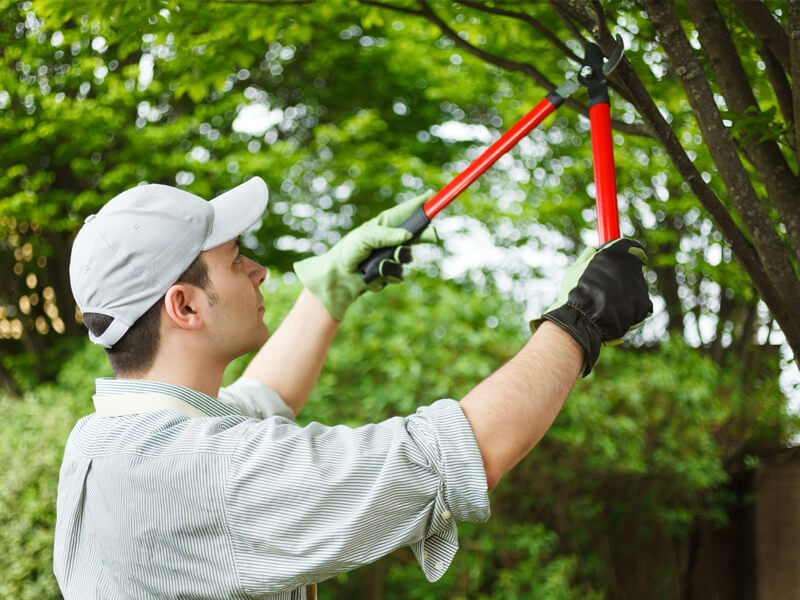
[118, 405]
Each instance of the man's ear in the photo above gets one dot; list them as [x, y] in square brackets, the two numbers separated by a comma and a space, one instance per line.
[184, 307]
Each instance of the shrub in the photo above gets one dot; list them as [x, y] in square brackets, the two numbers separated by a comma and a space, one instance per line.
[33, 433]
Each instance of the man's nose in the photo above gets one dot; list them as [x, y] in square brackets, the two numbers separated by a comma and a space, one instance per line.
[257, 273]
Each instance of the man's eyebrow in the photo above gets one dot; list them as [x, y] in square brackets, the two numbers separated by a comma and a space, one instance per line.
[236, 244]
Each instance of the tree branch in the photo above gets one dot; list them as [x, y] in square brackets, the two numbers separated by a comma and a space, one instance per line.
[504, 63]
[535, 23]
[568, 22]
[783, 188]
[794, 70]
[402, 9]
[766, 29]
[507, 64]
[268, 3]
[521, 67]
[776, 49]
[581, 12]
[780, 286]
[780, 85]
[600, 17]
[740, 245]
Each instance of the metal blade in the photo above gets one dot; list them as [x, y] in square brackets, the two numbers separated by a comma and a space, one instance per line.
[616, 56]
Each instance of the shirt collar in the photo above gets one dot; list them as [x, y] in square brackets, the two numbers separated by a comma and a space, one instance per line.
[108, 386]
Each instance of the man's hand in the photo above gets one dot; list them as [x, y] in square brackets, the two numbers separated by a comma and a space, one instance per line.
[603, 295]
[333, 277]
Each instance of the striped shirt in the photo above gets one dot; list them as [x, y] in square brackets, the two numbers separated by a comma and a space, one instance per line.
[245, 503]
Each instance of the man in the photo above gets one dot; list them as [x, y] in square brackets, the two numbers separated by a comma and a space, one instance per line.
[176, 488]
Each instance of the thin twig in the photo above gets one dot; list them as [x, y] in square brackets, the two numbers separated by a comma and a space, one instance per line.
[402, 9]
[268, 3]
[567, 20]
[601, 18]
[538, 26]
[505, 63]
[509, 65]
[526, 68]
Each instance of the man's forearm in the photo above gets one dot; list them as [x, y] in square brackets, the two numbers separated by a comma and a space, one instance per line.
[291, 360]
[512, 409]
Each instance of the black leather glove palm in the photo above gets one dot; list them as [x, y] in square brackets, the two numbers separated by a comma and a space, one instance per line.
[603, 295]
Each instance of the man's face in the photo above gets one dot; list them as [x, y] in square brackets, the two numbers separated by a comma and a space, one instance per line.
[236, 323]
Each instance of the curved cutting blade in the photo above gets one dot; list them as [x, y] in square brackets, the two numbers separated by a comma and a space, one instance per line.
[616, 56]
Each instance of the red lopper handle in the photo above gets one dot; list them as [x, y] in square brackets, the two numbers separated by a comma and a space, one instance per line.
[605, 180]
[490, 156]
[369, 268]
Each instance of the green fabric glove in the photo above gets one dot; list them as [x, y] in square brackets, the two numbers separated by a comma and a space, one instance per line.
[333, 278]
[603, 296]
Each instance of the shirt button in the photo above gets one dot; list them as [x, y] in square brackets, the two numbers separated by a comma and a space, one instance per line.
[446, 514]
[439, 566]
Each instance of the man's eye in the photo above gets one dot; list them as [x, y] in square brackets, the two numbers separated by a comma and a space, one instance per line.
[238, 259]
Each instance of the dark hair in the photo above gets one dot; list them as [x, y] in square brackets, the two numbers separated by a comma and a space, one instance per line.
[135, 352]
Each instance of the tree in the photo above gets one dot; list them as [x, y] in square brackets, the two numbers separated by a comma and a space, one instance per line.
[78, 82]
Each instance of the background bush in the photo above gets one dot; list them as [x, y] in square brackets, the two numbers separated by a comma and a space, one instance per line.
[33, 432]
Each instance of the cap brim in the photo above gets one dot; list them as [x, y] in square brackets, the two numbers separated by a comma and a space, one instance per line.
[236, 211]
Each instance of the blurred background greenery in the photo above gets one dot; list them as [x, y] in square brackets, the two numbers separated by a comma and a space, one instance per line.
[345, 108]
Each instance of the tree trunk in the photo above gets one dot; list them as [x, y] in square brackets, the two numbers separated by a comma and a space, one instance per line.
[783, 188]
[772, 271]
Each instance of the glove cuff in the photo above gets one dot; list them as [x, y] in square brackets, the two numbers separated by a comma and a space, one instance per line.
[582, 329]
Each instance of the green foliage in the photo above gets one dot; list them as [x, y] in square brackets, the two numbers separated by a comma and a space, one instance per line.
[642, 450]
[758, 126]
[99, 97]
[407, 346]
[33, 433]
[28, 370]
[498, 560]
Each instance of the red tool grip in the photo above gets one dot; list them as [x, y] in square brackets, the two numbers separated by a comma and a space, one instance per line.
[605, 180]
[490, 156]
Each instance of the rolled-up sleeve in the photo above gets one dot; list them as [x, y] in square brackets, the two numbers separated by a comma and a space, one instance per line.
[306, 503]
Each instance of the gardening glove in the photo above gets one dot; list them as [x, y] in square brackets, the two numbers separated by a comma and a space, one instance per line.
[603, 295]
[333, 277]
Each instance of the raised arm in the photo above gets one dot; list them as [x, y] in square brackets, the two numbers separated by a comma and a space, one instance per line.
[511, 410]
[603, 295]
[291, 360]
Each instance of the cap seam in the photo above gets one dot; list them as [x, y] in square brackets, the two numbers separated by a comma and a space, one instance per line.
[142, 271]
[119, 254]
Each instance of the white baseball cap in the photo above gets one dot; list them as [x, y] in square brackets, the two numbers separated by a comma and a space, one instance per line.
[126, 257]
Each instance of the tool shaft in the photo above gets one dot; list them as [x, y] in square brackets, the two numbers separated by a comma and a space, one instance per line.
[605, 180]
[491, 155]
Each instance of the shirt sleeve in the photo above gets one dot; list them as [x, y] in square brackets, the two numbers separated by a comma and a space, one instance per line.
[253, 399]
[305, 504]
